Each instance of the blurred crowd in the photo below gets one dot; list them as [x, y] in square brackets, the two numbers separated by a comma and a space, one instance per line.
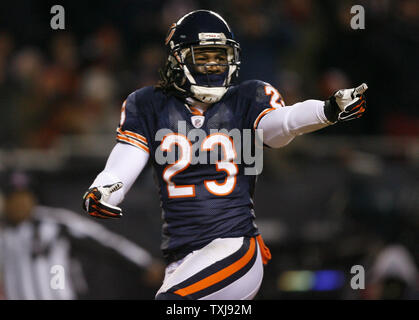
[55, 83]
[73, 81]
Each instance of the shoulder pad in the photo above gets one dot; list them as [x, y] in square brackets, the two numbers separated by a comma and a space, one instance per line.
[143, 94]
[254, 89]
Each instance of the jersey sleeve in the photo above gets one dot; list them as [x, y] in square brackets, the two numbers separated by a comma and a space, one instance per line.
[263, 98]
[132, 127]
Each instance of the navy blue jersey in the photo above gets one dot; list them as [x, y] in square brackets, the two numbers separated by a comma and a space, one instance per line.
[205, 194]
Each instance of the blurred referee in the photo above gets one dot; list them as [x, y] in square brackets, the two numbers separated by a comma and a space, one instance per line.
[43, 252]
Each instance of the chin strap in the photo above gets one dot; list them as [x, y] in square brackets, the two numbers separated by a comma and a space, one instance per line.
[208, 94]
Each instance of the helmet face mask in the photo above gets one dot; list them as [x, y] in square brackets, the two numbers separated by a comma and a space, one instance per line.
[207, 60]
[203, 58]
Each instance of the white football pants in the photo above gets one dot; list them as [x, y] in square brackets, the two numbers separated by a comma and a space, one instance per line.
[225, 269]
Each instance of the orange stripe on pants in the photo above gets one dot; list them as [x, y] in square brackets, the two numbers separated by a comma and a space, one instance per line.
[220, 275]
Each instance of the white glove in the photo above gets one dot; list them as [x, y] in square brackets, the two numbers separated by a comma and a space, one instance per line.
[94, 201]
[346, 104]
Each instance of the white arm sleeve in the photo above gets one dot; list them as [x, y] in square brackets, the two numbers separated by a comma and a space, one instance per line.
[282, 125]
[124, 164]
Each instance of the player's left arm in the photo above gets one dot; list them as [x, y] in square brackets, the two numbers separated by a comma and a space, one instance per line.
[283, 124]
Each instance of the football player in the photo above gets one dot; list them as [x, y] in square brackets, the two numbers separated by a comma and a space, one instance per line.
[209, 236]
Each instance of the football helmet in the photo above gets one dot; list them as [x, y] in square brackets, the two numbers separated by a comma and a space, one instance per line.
[197, 30]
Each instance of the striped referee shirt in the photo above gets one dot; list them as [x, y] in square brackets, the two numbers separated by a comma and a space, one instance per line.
[35, 251]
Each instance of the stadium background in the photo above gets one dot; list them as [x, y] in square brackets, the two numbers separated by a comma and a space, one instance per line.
[328, 201]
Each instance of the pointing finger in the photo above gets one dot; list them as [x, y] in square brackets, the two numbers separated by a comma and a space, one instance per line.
[361, 89]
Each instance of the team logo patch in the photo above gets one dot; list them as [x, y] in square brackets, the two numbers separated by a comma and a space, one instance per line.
[197, 121]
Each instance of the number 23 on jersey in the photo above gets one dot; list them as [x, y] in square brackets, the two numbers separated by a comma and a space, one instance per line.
[208, 144]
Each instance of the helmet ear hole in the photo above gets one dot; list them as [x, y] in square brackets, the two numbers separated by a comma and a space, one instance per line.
[179, 79]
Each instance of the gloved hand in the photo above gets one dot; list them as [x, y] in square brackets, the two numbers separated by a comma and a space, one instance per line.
[94, 202]
[346, 104]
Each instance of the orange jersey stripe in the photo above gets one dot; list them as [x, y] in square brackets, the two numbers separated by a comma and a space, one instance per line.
[133, 142]
[263, 113]
[220, 275]
[132, 135]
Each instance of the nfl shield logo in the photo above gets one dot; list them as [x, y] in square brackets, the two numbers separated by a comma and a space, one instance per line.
[197, 121]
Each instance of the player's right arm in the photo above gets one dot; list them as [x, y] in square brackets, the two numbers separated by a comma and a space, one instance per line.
[124, 165]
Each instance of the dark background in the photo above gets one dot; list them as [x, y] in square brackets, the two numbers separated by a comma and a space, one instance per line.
[330, 200]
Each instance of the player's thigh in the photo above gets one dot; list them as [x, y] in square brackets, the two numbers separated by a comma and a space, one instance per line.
[228, 268]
